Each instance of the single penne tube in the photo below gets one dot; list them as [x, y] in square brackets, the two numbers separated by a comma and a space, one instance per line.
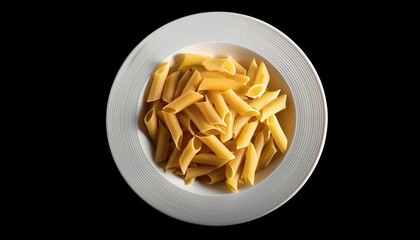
[250, 165]
[259, 86]
[232, 183]
[181, 83]
[272, 108]
[220, 65]
[199, 120]
[186, 99]
[238, 124]
[151, 122]
[214, 176]
[277, 132]
[210, 114]
[219, 103]
[266, 98]
[233, 165]
[185, 122]
[220, 84]
[230, 119]
[189, 181]
[192, 148]
[217, 146]
[252, 70]
[208, 74]
[173, 161]
[162, 145]
[259, 144]
[193, 82]
[238, 67]
[174, 128]
[170, 86]
[209, 159]
[158, 109]
[246, 134]
[240, 106]
[244, 79]
[194, 172]
[188, 60]
[158, 82]
[267, 154]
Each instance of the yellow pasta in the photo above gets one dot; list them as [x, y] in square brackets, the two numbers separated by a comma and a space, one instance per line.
[210, 113]
[233, 165]
[194, 172]
[209, 159]
[193, 82]
[273, 107]
[188, 60]
[229, 135]
[162, 146]
[203, 126]
[246, 134]
[277, 132]
[181, 83]
[214, 176]
[170, 86]
[238, 67]
[267, 154]
[217, 146]
[262, 77]
[220, 65]
[251, 161]
[238, 104]
[189, 152]
[229, 120]
[220, 84]
[151, 122]
[182, 102]
[158, 83]
[174, 128]
[173, 161]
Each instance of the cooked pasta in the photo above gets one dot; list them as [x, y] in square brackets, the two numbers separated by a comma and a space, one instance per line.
[213, 120]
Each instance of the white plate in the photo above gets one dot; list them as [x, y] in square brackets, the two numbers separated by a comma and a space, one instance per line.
[218, 34]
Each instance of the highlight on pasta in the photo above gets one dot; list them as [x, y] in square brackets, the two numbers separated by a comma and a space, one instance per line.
[213, 120]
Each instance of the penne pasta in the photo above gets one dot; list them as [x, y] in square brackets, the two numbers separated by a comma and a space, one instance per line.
[217, 146]
[238, 67]
[251, 161]
[182, 102]
[238, 124]
[188, 60]
[208, 74]
[209, 159]
[240, 78]
[259, 86]
[240, 106]
[214, 176]
[252, 70]
[220, 84]
[267, 154]
[162, 146]
[170, 86]
[173, 162]
[210, 113]
[194, 145]
[203, 126]
[229, 120]
[220, 65]
[233, 165]
[194, 172]
[151, 122]
[219, 104]
[158, 83]
[185, 122]
[277, 132]
[246, 134]
[174, 128]
[193, 82]
[272, 108]
[259, 144]
[232, 183]
[181, 83]
[266, 98]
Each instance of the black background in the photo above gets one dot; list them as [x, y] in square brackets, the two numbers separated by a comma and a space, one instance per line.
[362, 183]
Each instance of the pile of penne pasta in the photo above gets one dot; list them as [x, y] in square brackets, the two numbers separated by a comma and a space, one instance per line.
[214, 120]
